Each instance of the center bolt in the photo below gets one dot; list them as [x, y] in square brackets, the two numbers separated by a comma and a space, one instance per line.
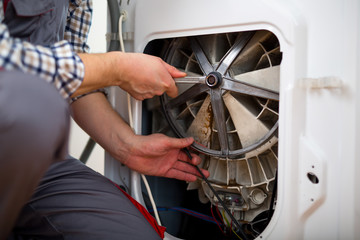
[214, 79]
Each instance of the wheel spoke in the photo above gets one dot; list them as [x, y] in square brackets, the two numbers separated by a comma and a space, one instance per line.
[189, 94]
[249, 129]
[202, 59]
[234, 51]
[219, 118]
[229, 99]
[268, 78]
[249, 89]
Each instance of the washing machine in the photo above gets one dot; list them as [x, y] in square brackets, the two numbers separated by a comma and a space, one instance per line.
[272, 100]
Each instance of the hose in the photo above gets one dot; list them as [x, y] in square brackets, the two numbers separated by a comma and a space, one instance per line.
[114, 11]
[114, 45]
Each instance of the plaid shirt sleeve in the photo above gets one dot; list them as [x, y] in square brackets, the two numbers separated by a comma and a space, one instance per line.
[78, 24]
[77, 30]
[58, 63]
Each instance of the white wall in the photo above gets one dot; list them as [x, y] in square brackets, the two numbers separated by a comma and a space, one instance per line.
[97, 42]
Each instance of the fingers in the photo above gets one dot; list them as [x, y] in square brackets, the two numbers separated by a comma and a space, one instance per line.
[180, 143]
[191, 175]
[183, 176]
[172, 90]
[145, 76]
[181, 166]
[188, 166]
[174, 72]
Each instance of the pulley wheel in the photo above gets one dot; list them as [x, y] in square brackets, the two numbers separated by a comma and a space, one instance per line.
[230, 98]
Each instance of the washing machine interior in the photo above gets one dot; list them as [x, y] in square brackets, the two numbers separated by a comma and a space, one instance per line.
[230, 106]
[271, 104]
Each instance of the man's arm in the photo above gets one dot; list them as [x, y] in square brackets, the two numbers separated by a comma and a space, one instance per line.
[156, 154]
[56, 64]
[141, 75]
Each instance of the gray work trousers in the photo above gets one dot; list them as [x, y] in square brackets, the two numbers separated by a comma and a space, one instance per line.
[70, 201]
[34, 123]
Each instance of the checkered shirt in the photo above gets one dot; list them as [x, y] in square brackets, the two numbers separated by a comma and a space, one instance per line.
[58, 64]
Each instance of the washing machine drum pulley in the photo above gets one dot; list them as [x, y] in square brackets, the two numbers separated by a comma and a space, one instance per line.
[233, 110]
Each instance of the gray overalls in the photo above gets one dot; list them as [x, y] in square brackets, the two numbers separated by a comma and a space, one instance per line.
[71, 201]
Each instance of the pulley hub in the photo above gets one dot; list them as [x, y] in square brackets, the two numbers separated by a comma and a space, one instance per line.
[213, 79]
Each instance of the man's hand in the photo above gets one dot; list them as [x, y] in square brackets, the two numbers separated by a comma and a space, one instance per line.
[144, 76]
[141, 75]
[155, 154]
[159, 155]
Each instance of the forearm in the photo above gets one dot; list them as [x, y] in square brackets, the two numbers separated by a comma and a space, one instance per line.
[142, 76]
[155, 154]
[94, 114]
[98, 72]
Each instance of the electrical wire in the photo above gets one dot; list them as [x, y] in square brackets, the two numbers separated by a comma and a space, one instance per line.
[194, 214]
[148, 189]
[131, 123]
[114, 14]
[189, 212]
[238, 225]
[121, 19]
[225, 218]
[227, 221]
[186, 151]
[212, 213]
[218, 211]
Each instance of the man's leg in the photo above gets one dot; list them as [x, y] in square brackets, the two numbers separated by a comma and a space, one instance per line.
[75, 202]
[34, 124]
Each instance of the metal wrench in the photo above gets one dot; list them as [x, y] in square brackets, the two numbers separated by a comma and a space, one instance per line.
[193, 80]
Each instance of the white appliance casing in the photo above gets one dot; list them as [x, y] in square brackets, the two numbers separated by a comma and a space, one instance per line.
[319, 100]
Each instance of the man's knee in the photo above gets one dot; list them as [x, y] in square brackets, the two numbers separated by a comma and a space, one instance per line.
[34, 124]
[33, 115]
